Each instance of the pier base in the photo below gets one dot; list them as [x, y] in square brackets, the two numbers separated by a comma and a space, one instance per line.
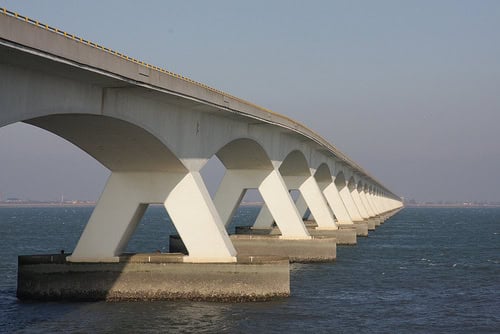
[377, 221]
[371, 224]
[361, 228]
[344, 236]
[152, 277]
[316, 249]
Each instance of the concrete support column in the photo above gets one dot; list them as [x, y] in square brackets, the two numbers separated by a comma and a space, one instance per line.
[198, 223]
[274, 192]
[382, 203]
[364, 199]
[351, 207]
[124, 201]
[302, 207]
[373, 203]
[359, 204]
[264, 218]
[279, 202]
[231, 190]
[315, 200]
[396, 203]
[336, 203]
[114, 218]
[311, 197]
[388, 203]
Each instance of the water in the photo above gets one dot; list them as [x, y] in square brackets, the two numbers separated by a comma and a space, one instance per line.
[423, 271]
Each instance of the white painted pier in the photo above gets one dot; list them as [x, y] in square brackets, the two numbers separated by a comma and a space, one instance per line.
[155, 130]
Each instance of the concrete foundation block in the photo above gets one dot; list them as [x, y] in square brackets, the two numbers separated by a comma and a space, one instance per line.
[152, 277]
[346, 235]
[316, 249]
[258, 231]
[343, 236]
[371, 224]
[361, 229]
[310, 223]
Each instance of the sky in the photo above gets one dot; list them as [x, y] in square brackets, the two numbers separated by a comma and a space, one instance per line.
[410, 90]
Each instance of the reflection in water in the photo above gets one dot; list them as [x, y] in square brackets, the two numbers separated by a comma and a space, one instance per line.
[158, 317]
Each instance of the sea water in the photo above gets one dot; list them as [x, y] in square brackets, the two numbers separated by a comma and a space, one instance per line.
[425, 270]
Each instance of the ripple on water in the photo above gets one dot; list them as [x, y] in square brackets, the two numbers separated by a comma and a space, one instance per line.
[425, 270]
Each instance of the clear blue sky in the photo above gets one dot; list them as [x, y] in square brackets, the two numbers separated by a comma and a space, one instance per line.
[409, 89]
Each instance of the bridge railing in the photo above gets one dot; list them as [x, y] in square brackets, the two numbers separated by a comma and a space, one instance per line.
[296, 125]
[139, 62]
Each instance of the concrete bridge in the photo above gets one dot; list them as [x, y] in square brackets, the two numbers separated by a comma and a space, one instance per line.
[155, 130]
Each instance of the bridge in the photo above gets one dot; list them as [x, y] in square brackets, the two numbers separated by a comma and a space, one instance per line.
[155, 130]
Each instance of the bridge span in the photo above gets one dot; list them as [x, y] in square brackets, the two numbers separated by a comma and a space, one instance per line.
[155, 130]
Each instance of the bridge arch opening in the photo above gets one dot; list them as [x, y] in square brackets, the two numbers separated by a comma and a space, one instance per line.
[246, 212]
[39, 166]
[361, 186]
[323, 175]
[117, 145]
[295, 170]
[340, 180]
[295, 164]
[352, 184]
[243, 162]
[244, 153]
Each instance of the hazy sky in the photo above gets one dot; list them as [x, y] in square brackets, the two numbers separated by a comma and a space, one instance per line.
[408, 89]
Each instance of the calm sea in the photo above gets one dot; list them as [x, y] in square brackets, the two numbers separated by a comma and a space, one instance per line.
[423, 271]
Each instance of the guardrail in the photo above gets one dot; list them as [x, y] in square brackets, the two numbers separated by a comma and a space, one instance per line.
[113, 52]
[296, 124]
[131, 59]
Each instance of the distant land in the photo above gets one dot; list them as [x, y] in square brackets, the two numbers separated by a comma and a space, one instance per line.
[9, 202]
[449, 204]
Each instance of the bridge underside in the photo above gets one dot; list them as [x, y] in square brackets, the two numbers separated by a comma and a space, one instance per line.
[155, 144]
[155, 132]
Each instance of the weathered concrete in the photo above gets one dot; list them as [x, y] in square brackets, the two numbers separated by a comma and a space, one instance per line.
[316, 249]
[155, 131]
[257, 231]
[370, 224]
[344, 235]
[152, 277]
[377, 221]
[361, 228]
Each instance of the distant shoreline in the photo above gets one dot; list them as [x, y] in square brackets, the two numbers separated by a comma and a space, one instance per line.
[44, 204]
[91, 204]
[451, 206]
[76, 204]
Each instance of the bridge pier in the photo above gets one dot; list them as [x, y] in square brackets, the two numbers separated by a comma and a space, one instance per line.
[310, 197]
[294, 243]
[274, 193]
[264, 242]
[155, 130]
[124, 201]
[152, 277]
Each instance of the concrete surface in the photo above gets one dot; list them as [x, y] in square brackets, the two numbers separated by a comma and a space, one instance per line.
[316, 249]
[152, 277]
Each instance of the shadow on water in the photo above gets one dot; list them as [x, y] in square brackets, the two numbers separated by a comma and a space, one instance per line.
[423, 271]
[51, 229]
